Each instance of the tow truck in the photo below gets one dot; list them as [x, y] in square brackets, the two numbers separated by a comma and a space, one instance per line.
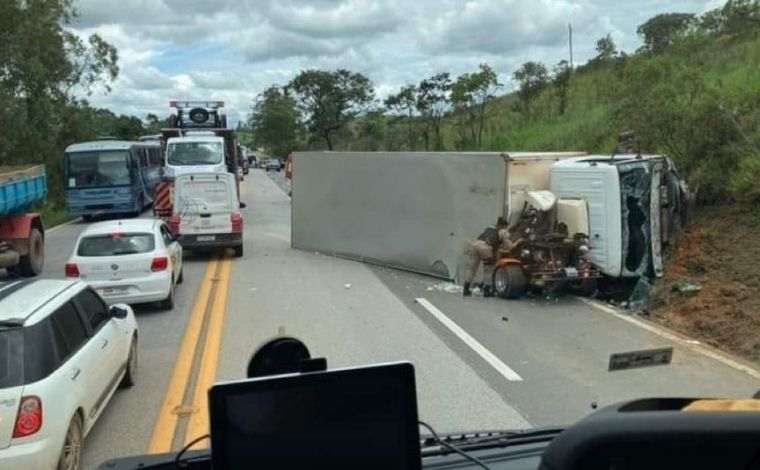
[198, 141]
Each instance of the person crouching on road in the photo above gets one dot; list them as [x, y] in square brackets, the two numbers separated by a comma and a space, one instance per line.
[484, 250]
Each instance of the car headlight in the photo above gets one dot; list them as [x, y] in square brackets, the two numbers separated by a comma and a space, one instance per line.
[524, 253]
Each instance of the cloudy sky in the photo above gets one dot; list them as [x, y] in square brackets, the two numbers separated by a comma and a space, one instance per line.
[233, 49]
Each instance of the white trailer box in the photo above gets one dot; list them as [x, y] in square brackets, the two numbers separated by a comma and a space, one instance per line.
[412, 210]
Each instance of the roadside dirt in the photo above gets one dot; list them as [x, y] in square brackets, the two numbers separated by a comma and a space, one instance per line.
[721, 253]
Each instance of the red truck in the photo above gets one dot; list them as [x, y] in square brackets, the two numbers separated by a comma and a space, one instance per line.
[22, 233]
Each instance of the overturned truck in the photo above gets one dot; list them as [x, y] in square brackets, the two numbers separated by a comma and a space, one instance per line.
[420, 211]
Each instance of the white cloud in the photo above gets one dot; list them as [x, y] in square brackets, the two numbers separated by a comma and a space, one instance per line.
[233, 49]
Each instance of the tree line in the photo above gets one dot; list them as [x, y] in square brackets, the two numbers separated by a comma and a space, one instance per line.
[692, 90]
[45, 69]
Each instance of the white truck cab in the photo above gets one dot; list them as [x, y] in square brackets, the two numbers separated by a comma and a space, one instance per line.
[195, 152]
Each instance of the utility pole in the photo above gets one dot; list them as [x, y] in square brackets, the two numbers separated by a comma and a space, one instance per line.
[570, 40]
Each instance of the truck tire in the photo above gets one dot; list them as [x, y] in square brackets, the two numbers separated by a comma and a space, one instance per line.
[509, 281]
[31, 265]
[238, 251]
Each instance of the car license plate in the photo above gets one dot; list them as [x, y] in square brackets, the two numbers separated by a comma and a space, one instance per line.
[206, 238]
[112, 291]
[571, 272]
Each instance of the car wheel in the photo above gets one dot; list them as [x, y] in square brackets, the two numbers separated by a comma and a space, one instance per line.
[168, 302]
[238, 251]
[181, 277]
[132, 362]
[71, 453]
[509, 281]
[31, 265]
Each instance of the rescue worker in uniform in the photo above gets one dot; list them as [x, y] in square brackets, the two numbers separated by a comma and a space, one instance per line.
[490, 244]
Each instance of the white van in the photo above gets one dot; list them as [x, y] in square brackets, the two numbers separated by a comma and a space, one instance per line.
[206, 213]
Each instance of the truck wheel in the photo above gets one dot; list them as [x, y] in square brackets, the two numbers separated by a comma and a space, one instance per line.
[238, 251]
[31, 265]
[509, 281]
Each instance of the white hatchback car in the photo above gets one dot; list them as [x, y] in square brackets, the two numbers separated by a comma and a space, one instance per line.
[129, 261]
[63, 354]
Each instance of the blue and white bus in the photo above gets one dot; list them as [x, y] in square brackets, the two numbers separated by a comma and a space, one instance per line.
[111, 177]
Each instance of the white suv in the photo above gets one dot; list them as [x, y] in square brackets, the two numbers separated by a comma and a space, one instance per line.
[63, 353]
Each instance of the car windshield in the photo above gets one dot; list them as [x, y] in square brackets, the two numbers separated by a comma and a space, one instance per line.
[11, 357]
[547, 206]
[115, 244]
[195, 153]
[97, 168]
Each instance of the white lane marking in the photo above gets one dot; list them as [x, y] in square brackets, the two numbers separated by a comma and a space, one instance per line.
[487, 355]
[72, 221]
[685, 342]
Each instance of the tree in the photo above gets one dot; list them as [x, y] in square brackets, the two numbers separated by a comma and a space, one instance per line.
[663, 30]
[274, 121]
[532, 78]
[432, 104]
[42, 65]
[329, 100]
[605, 49]
[404, 102]
[734, 17]
[561, 83]
[470, 95]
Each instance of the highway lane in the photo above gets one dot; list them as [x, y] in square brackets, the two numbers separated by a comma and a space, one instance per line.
[354, 314]
[125, 426]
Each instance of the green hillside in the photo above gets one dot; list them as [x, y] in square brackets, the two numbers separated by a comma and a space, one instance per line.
[699, 102]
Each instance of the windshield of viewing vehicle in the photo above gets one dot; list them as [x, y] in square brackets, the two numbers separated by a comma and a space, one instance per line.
[11, 357]
[98, 168]
[521, 198]
[195, 153]
[115, 244]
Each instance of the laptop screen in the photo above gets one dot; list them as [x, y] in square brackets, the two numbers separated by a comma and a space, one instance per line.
[348, 418]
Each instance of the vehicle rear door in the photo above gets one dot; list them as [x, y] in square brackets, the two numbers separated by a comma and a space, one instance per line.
[108, 341]
[205, 203]
[11, 379]
[81, 365]
[115, 256]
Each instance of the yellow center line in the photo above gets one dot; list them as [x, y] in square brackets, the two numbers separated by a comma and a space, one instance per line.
[199, 423]
[166, 421]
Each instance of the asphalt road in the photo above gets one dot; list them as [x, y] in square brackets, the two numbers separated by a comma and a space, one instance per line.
[480, 363]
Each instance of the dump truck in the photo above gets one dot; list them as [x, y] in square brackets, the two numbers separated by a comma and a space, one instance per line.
[198, 141]
[22, 233]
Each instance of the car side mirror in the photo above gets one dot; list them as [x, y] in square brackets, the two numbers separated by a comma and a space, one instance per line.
[118, 312]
